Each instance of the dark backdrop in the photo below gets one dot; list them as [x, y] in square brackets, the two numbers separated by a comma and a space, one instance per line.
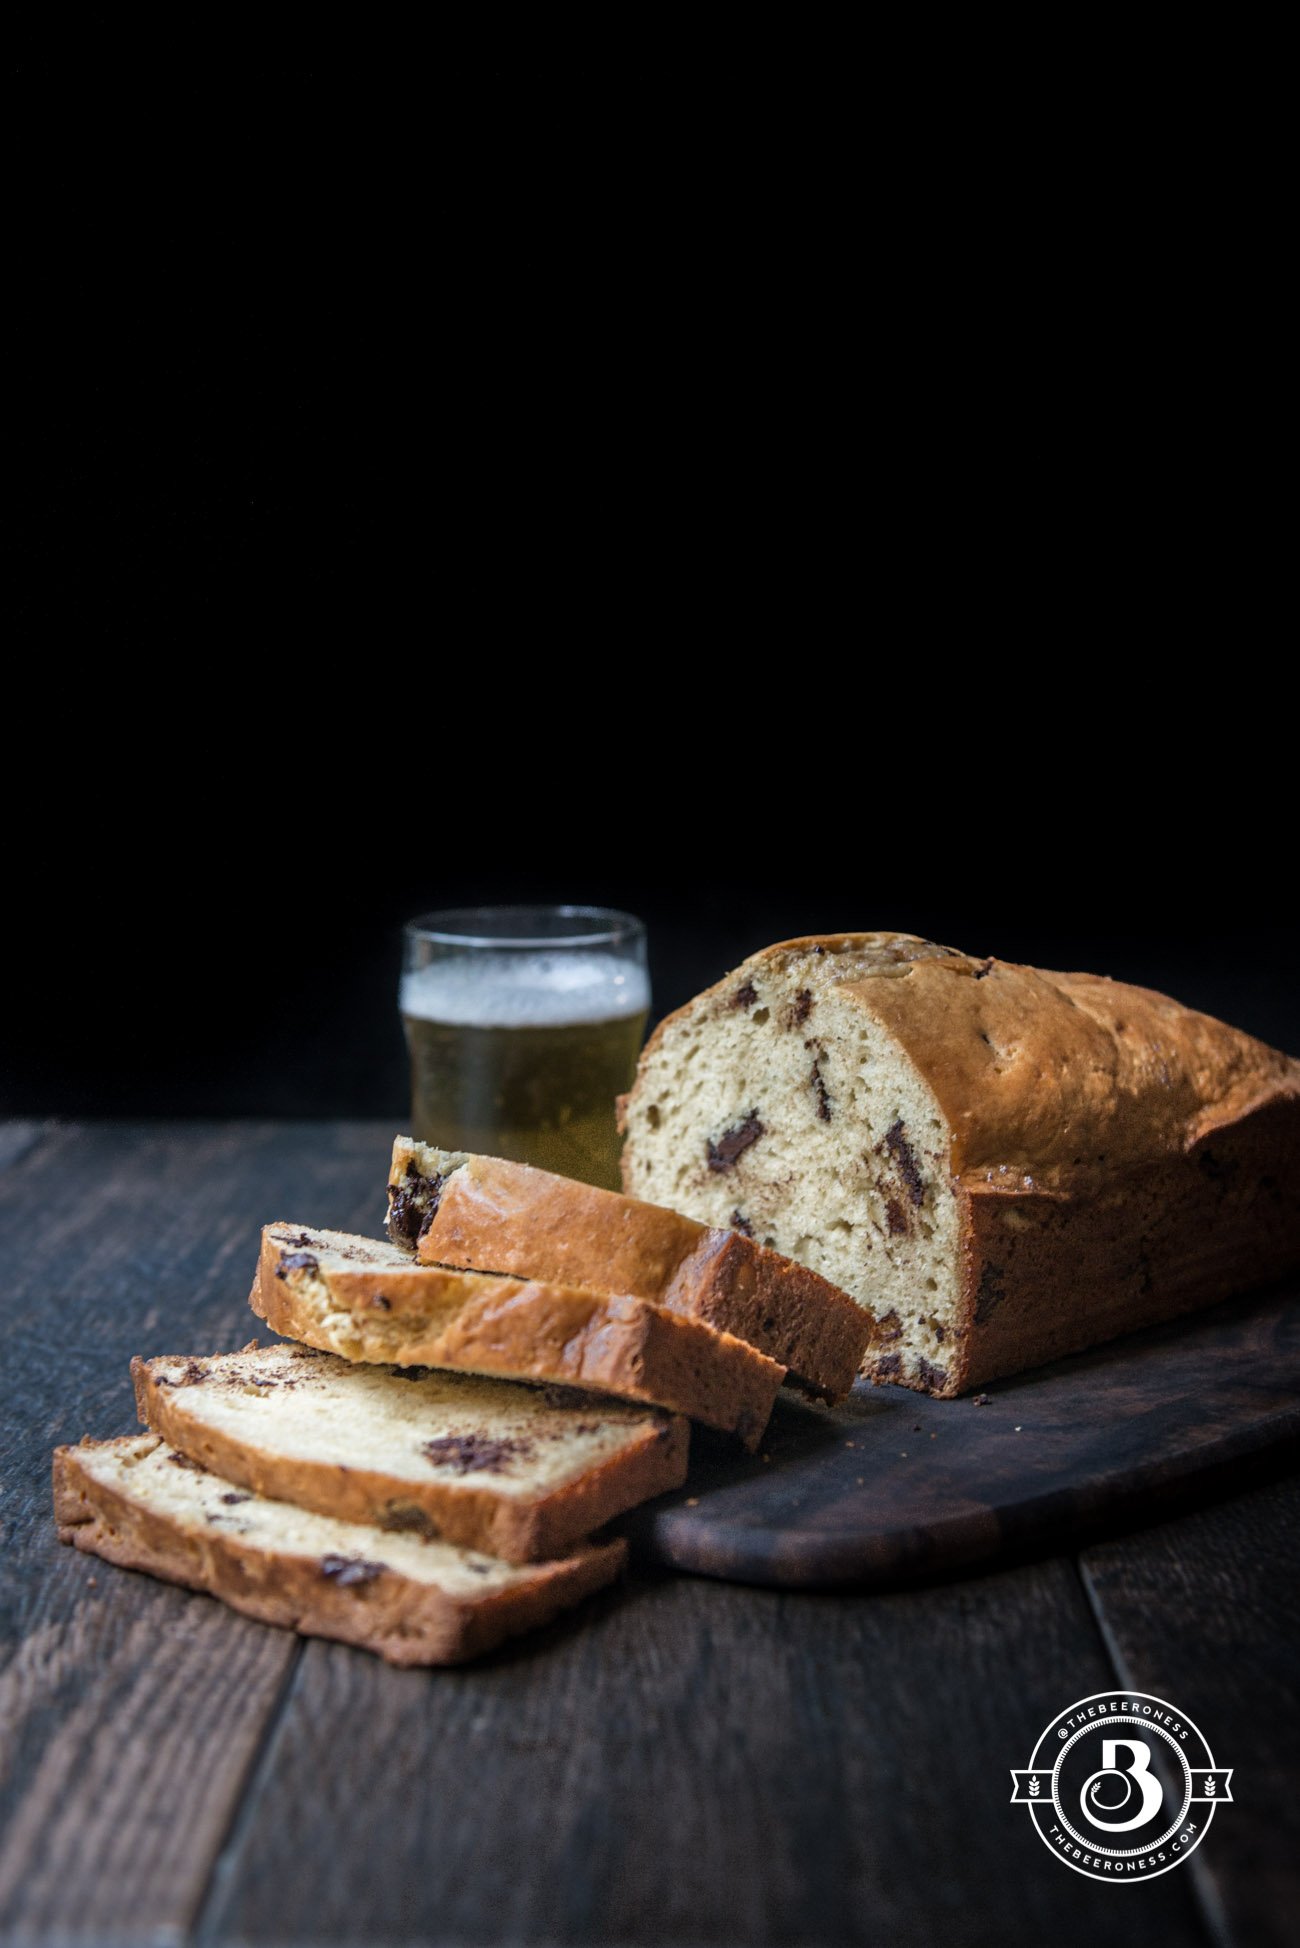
[533, 475]
[256, 974]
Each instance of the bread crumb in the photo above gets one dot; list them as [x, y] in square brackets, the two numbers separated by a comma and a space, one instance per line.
[692, 1501]
[981, 1400]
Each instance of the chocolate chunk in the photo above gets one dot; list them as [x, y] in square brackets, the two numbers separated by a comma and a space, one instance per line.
[303, 1238]
[745, 997]
[889, 1366]
[800, 1008]
[989, 1293]
[899, 1225]
[378, 1299]
[900, 1150]
[403, 1215]
[474, 1453]
[742, 1224]
[413, 1207]
[819, 1090]
[348, 1571]
[889, 1326]
[183, 1461]
[231, 1500]
[930, 1375]
[296, 1261]
[734, 1142]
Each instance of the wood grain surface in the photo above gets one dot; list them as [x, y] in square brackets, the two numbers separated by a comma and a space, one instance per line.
[1207, 1608]
[686, 1762]
[893, 1485]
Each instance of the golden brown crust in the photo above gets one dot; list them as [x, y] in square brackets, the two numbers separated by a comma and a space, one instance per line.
[430, 1291]
[509, 1217]
[515, 1529]
[1054, 1076]
[1068, 1079]
[527, 1330]
[1117, 1158]
[1045, 1276]
[405, 1622]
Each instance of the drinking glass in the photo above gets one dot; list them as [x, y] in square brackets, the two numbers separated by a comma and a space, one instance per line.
[523, 1024]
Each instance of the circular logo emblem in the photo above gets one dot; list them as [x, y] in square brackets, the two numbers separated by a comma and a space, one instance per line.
[1121, 1786]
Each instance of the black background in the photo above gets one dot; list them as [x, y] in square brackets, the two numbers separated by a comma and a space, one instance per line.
[544, 474]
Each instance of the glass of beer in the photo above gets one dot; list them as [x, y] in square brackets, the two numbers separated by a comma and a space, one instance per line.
[523, 1024]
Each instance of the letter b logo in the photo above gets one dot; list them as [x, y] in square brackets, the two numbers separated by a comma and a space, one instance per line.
[1098, 1792]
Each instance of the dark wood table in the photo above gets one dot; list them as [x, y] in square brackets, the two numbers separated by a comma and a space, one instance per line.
[686, 1762]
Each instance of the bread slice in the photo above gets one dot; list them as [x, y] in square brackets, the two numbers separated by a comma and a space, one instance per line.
[1007, 1164]
[514, 1471]
[455, 1209]
[365, 1300]
[141, 1504]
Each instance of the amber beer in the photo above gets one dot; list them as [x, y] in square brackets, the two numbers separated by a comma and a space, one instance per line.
[521, 1054]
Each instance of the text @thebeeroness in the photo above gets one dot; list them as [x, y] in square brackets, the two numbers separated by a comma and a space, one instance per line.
[1122, 1786]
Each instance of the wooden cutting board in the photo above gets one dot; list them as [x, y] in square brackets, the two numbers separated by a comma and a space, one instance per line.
[894, 1485]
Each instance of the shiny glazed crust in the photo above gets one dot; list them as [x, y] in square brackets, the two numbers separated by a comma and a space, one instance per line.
[403, 1621]
[500, 1216]
[519, 1329]
[1117, 1158]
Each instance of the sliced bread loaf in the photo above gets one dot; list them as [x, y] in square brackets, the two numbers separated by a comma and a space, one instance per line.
[1007, 1164]
[456, 1209]
[516, 1471]
[141, 1504]
[365, 1300]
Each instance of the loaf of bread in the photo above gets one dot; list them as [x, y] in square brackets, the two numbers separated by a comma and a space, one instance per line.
[514, 1471]
[365, 1299]
[1005, 1164]
[455, 1209]
[141, 1504]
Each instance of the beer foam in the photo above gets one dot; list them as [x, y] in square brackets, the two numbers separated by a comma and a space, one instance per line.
[525, 990]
